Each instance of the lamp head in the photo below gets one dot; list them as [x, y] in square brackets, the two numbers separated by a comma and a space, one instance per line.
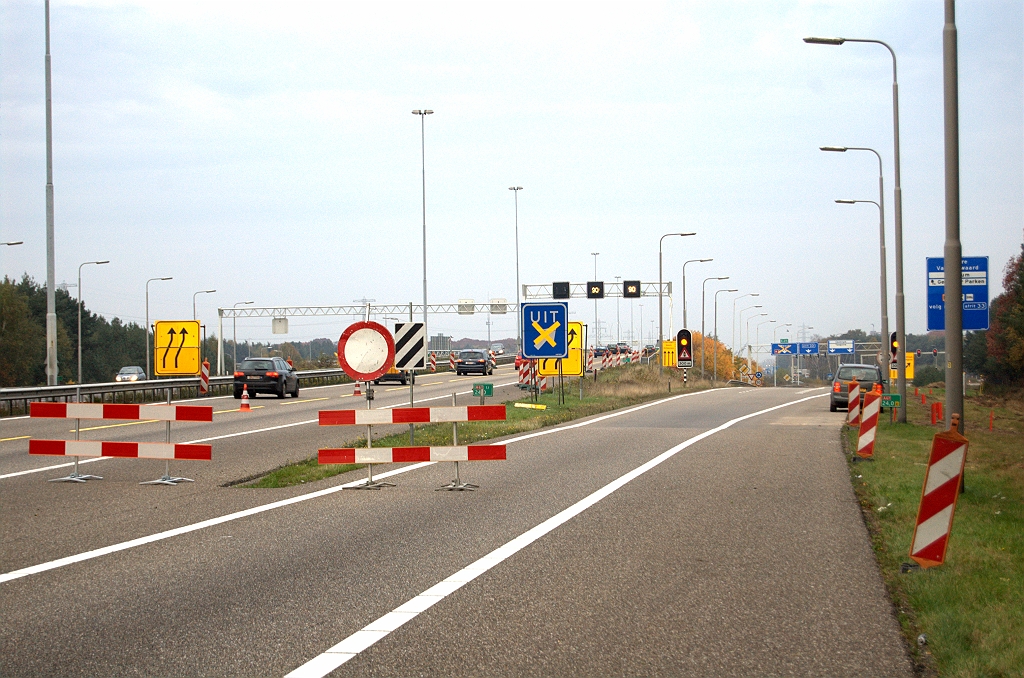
[705, 260]
[102, 262]
[834, 149]
[724, 277]
[824, 41]
[845, 201]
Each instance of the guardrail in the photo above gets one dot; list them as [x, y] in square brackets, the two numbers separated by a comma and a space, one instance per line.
[15, 400]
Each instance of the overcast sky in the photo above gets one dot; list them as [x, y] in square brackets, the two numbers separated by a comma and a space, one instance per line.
[267, 150]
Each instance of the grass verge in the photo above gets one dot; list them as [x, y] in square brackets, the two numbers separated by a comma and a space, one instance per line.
[615, 388]
[971, 609]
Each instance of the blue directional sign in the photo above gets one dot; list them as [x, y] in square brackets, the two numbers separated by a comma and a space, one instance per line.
[974, 277]
[808, 348]
[545, 330]
[842, 347]
[784, 349]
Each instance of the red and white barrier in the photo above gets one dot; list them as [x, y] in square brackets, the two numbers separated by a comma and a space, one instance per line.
[868, 425]
[524, 374]
[412, 415]
[543, 384]
[120, 411]
[399, 455]
[853, 404]
[433, 362]
[204, 378]
[590, 360]
[451, 361]
[96, 448]
[938, 497]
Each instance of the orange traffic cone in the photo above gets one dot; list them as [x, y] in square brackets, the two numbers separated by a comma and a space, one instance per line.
[245, 399]
[358, 391]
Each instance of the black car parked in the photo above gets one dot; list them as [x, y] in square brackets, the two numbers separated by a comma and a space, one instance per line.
[266, 375]
[474, 361]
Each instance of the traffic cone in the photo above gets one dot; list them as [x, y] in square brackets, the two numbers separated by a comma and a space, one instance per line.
[245, 399]
[358, 391]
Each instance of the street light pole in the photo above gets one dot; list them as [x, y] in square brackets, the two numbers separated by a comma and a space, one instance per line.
[423, 166]
[775, 375]
[952, 249]
[757, 336]
[618, 321]
[80, 315]
[689, 261]
[519, 315]
[752, 294]
[234, 335]
[51, 300]
[901, 359]
[703, 337]
[715, 373]
[149, 372]
[661, 321]
[756, 315]
[882, 361]
[597, 325]
[194, 300]
[742, 311]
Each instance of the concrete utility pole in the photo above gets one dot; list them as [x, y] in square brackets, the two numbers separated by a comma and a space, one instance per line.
[51, 301]
[519, 315]
[952, 251]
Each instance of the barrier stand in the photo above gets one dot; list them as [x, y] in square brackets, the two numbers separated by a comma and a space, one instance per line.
[370, 483]
[457, 485]
[166, 478]
[868, 427]
[75, 476]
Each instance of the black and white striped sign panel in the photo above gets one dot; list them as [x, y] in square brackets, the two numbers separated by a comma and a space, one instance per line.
[410, 346]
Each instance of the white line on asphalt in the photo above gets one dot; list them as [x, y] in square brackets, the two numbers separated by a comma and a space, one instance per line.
[347, 649]
[114, 548]
[233, 435]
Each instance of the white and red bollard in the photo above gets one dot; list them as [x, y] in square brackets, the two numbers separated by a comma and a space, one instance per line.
[868, 425]
[204, 378]
[853, 404]
[590, 360]
[433, 362]
[524, 374]
[938, 497]
[451, 361]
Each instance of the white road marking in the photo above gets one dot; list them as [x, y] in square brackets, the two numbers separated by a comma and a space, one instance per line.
[350, 647]
[114, 548]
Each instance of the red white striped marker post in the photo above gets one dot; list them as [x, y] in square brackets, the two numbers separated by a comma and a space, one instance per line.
[451, 361]
[868, 425]
[938, 497]
[433, 362]
[853, 403]
[590, 360]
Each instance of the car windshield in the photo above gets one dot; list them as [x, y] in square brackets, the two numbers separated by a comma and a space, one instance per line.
[257, 364]
[130, 370]
[858, 373]
[471, 355]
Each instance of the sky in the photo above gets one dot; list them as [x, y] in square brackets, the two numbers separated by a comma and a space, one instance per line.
[268, 151]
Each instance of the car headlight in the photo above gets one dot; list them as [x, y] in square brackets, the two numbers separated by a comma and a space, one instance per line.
[134, 377]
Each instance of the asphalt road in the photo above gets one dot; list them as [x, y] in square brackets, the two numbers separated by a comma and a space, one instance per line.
[715, 545]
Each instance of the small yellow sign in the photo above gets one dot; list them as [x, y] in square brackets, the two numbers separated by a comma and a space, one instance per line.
[573, 365]
[668, 353]
[910, 368]
[177, 348]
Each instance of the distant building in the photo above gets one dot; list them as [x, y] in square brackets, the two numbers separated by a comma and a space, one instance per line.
[440, 343]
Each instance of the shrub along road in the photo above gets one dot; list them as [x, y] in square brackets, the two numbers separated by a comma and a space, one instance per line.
[740, 552]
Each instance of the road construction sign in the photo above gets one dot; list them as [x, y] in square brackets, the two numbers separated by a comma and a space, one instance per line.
[176, 344]
[573, 364]
[545, 331]
[910, 368]
[668, 354]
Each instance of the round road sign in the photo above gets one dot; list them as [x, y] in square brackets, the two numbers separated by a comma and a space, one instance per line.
[758, 374]
[366, 350]
[759, 382]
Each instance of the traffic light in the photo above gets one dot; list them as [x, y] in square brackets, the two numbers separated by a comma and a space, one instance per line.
[935, 353]
[560, 290]
[893, 347]
[631, 289]
[684, 349]
[595, 290]
[918, 353]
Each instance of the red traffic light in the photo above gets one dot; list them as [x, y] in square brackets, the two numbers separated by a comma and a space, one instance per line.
[935, 352]
[918, 353]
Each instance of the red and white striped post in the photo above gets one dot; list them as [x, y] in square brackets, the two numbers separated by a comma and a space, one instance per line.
[451, 361]
[204, 378]
[524, 374]
[938, 497]
[868, 425]
[853, 403]
[590, 360]
[433, 362]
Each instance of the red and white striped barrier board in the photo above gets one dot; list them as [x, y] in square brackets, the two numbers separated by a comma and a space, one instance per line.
[543, 384]
[618, 359]
[433, 362]
[397, 455]
[96, 448]
[116, 411]
[853, 404]
[204, 378]
[412, 415]
[868, 425]
[938, 497]
[451, 361]
[524, 373]
[590, 360]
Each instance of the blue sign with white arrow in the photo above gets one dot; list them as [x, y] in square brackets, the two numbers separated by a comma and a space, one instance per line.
[808, 348]
[974, 281]
[545, 330]
[842, 347]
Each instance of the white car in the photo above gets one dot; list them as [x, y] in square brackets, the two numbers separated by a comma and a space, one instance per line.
[498, 349]
[133, 373]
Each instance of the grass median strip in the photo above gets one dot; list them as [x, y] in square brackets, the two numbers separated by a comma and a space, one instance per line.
[615, 388]
[971, 609]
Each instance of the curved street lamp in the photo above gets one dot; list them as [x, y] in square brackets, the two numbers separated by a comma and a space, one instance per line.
[661, 321]
[519, 316]
[703, 298]
[715, 355]
[105, 261]
[149, 372]
[742, 296]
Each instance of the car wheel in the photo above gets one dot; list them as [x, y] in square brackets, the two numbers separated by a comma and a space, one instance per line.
[832, 407]
[238, 394]
[281, 392]
[295, 392]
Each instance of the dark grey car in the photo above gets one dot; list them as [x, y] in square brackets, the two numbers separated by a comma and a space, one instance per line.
[866, 375]
[266, 375]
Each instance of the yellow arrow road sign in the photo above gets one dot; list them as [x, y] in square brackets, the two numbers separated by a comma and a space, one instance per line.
[177, 348]
[573, 365]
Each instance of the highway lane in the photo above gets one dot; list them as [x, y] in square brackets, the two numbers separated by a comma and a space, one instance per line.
[744, 553]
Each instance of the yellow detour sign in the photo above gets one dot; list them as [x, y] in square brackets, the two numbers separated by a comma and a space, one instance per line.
[668, 353]
[910, 368]
[177, 348]
[573, 364]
